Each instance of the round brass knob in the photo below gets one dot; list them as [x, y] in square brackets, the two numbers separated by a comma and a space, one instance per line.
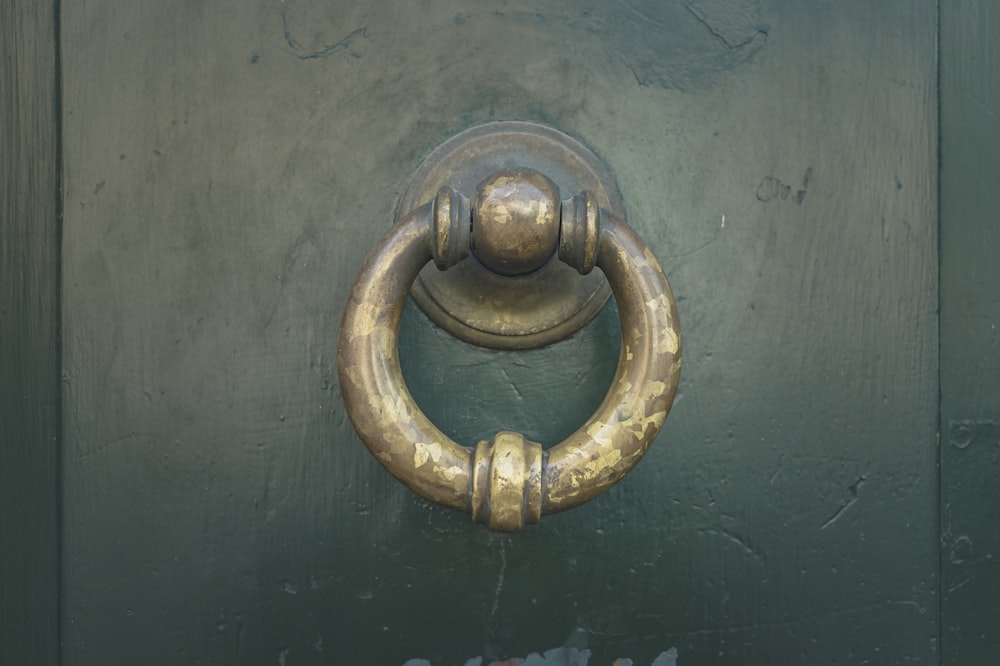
[516, 229]
[508, 482]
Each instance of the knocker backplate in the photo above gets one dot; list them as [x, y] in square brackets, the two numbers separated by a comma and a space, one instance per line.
[491, 310]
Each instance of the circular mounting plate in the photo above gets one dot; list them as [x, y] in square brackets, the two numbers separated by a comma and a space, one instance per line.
[490, 310]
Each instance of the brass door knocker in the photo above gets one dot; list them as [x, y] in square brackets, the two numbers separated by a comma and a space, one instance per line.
[515, 225]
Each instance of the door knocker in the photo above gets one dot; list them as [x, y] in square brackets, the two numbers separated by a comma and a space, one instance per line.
[514, 228]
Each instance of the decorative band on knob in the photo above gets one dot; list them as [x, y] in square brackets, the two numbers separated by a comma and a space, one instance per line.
[580, 232]
[452, 228]
[507, 482]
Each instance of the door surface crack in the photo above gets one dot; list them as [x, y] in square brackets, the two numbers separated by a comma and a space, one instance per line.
[854, 488]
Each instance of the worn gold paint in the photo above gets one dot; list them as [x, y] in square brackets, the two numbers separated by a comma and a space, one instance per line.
[422, 452]
[449, 473]
[543, 213]
[654, 389]
[652, 260]
[366, 320]
[500, 214]
[670, 342]
[596, 431]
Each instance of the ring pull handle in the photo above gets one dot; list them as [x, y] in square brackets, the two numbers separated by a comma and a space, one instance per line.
[514, 224]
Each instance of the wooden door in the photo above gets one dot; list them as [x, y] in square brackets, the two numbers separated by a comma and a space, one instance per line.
[224, 168]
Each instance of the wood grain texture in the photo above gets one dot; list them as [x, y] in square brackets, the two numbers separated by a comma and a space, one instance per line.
[970, 332]
[228, 165]
[29, 334]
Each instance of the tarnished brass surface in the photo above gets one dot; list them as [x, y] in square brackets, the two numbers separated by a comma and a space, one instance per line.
[483, 306]
[509, 482]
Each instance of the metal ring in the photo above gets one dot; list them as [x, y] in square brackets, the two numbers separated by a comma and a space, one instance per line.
[510, 481]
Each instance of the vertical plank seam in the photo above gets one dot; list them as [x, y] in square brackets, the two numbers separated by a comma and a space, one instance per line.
[57, 111]
[940, 393]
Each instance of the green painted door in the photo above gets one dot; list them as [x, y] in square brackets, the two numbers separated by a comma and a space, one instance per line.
[227, 165]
